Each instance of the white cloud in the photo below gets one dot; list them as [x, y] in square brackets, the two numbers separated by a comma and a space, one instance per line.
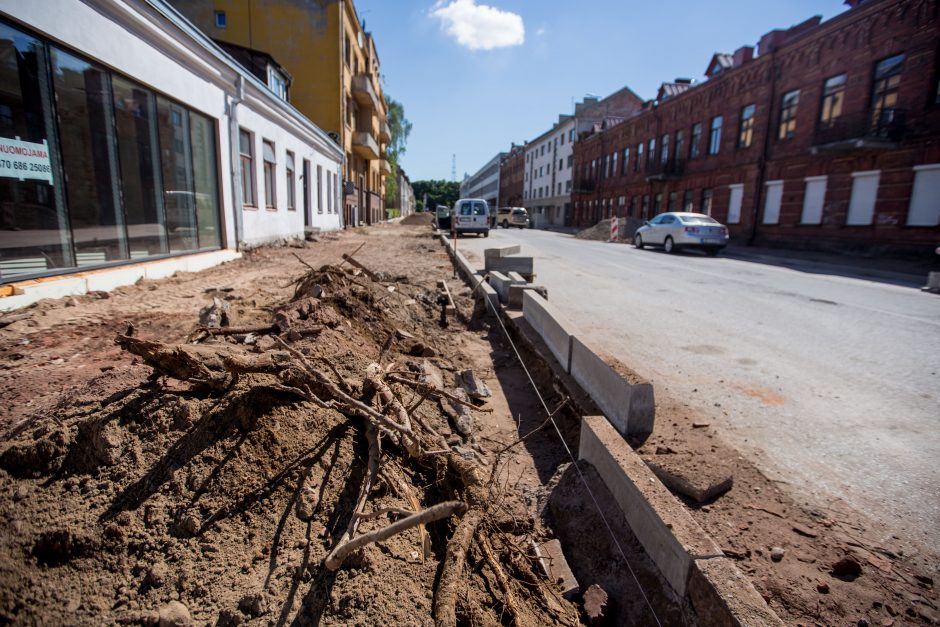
[541, 31]
[479, 26]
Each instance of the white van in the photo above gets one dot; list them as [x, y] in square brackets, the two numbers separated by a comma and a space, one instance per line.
[472, 215]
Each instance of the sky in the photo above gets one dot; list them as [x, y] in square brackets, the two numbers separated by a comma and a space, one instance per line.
[476, 75]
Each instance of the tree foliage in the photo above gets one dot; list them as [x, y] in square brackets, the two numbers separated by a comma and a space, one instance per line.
[440, 192]
[400, 129]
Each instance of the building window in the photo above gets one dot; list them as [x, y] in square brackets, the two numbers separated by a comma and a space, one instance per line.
[864, 195]
[308, 204]
[626, 160]
[746, 134]
[773, 196]
[788, 106]
[606, 166]
[884, 100]
[561, 139]
[736, 196]
[680, 144]
[246, 156]
[687, 203]
[289, 172]
[657, 204]
[673, 199]
[707, 201]
[639, 157]
[567, 186]
[270, 163]
[924, 209]
[277, 83]
[651, 153]
[571, 135]
[714, 136]
[646, 206]
[814, 197]
[695, 140]
[329, 193]
[570, 161]
[632, 206]
[833, 97]
[613, 167]
[319, 189]
[664, 156]
[220, 20]
[593, 169]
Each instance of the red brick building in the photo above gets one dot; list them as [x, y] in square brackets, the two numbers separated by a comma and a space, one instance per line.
[827, 136]
[512, 176]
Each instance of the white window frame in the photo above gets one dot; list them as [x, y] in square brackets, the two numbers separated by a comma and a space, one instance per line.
[924, 209]
[861, 210]
[735, 200]
[814, 199]
[773, 198]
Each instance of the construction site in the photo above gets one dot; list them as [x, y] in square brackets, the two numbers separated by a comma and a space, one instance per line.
[368, 427]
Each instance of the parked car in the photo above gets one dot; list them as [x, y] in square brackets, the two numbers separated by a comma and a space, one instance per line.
[513, 216]
[674, 231]
[472, 216]
[442, 217]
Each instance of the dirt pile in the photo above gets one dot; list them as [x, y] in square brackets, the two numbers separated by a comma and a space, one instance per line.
[305, 467]
[600, 232]
[415, 219]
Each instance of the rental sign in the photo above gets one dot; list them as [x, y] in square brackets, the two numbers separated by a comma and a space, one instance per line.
[25, 160]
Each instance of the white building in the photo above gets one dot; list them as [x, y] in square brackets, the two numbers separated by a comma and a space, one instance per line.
[549, 159]
[484, 183]
[141, 148]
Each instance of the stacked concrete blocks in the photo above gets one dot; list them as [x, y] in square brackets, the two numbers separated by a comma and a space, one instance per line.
[501, 283]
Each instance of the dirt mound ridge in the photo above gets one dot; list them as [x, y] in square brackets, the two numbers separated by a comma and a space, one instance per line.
[599, 232]
[422, 218]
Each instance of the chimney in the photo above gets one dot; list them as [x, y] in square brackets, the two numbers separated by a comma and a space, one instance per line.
[743, 55]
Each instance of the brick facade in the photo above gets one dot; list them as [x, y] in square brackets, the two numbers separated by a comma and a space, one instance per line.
[836, 153]
[511, 177]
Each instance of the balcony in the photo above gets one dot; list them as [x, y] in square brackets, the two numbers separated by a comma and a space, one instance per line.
[365, 146]
[664, 170]
[384, 166]
[363, 92]
[879, 129]
[385, 132]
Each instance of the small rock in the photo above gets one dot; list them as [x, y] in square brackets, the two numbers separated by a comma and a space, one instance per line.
[803, 531]
[71, 303]
[595, 604]
[862, 623]
[307, 502]
[822, 587]
[264, 343]
[175, 614]
[99, 294]
[699, 425]
[846, 568]
[56, 362]
[664, 450]
[777, 553]
[157, 575]
[190, 524]
[254, 604]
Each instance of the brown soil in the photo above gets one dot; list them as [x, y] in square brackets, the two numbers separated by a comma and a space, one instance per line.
[121, 492]
[418, 219]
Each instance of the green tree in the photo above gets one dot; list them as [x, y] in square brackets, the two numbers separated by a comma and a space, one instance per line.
[440, 192]
[400, 129]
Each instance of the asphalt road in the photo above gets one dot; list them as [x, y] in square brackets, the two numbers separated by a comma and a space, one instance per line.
[829, 383]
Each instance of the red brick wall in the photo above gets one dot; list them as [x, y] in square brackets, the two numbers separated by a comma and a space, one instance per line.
[851, 43]
[511, 175]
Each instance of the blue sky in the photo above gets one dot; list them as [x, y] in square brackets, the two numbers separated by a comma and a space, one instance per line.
[475, 75]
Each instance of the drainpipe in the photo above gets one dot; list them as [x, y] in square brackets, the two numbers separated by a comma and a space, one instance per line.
[762, 162]
[235, 158]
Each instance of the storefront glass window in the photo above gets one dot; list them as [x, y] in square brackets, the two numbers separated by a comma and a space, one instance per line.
[89, 147]
[179, 193]
[33, 226]
[136, 121]
[204, 175]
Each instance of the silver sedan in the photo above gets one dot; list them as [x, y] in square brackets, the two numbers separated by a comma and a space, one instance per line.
[675, 230]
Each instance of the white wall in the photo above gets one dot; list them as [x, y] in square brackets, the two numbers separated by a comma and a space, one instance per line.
[556, 150]
[129, 37]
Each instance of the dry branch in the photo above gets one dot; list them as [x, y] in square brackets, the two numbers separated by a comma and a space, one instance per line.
[369, 273]
[422, 387]
[442, 510]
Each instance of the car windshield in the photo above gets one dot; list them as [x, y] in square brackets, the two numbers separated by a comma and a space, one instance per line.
[702, 219]
[519, 212]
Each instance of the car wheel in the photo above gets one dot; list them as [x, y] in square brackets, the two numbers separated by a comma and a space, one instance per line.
[712, 252]
[505, 224]
[669, 246]
[486, 233]
[638, 241]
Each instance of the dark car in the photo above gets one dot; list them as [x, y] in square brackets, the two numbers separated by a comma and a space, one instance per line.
[442, 217]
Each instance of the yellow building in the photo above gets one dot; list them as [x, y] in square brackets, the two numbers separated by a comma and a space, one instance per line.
[334, 72]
